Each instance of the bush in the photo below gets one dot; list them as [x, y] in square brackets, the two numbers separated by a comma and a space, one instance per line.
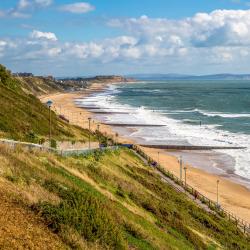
[85, 214]
[53, 144]
[32, 137]
[120, 192]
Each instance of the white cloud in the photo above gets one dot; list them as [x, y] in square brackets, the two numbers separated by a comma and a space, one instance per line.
[23, 4]
[43, 3]
[218, 28]
[36, 34]
[214, 41]
[77, 8]
[23, 8]
[2, 13]
[3, 43]
[54, 52]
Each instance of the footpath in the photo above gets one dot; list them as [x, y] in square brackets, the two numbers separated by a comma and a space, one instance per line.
[180, 186]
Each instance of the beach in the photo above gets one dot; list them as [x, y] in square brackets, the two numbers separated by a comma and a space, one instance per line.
[233, 196]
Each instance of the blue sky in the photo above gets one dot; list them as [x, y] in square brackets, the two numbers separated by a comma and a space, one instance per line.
[76, 38]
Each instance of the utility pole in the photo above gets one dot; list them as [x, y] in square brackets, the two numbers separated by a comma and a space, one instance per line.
[181, 168]
[116, 138]
[89, 131]
[218, 193]
[49, 104]
[185, 171]
[98, 133]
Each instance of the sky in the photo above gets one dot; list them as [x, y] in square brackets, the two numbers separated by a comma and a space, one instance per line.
[96, 37]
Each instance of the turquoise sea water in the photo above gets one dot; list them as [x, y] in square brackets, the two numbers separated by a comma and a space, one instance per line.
[225, 104]
[214, 113]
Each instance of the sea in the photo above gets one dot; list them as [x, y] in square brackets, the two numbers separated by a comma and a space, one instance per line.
[200, 113]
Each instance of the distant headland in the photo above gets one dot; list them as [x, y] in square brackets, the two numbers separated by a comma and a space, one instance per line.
[190, 77]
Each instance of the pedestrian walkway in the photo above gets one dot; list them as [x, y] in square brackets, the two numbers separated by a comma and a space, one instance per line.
[202, 201]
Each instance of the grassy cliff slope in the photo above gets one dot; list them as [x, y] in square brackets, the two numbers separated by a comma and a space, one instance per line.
[24, 117]
[103, 200]
[107, 200]
[38, 85]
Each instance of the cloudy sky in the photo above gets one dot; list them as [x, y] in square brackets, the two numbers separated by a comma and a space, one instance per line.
[74, 38]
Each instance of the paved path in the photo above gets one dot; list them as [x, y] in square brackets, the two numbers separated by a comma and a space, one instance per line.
[164, 177]
[177, 187]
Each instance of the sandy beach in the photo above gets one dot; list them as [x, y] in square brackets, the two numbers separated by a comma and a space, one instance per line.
[232, 196]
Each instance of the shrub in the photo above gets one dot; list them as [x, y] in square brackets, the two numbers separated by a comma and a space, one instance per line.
[87, 215]
[32, 137]
[135, 230]
[53, 144]
[120, 192]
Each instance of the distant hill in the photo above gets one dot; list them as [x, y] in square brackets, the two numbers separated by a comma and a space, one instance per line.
[82, 82]
[39, 85]
[160, 77]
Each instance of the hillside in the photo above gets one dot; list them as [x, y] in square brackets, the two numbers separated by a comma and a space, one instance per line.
[24, 117]
[39, 85]
[105, 200]
[80, 83]
[109, 199]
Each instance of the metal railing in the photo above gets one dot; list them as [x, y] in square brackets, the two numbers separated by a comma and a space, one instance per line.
[66, 152]
[212, 205]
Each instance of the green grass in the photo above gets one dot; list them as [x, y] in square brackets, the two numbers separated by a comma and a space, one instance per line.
[85, 214]
[124, 205]
[24, 117]
[106, 199]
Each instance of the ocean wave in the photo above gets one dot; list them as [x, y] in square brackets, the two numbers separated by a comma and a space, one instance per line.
[177, 131]
[220, 114]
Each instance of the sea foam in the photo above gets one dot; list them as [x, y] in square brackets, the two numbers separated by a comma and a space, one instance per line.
[175, 131]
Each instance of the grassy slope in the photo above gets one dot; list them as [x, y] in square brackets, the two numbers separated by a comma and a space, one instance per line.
[24, 117]
[38, 85]
[111, 200]
[105, 200]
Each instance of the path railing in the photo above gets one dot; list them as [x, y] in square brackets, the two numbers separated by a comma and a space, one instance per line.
[212, 205]
[240, 223]
[65, 152]
[13, 144]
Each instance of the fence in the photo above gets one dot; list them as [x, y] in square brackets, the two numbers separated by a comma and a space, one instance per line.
[13, 144]
[240, 223]
[67, 152]
[212, 205]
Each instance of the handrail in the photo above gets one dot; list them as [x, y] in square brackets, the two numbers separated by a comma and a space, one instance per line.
[240, 223]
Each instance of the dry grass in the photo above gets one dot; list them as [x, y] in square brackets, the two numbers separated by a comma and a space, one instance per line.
[148, 213]
[21, 229]
[132, 208]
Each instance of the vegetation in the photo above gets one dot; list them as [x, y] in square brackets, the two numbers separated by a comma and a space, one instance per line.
[106, 199]
[38, 85]
[111, 200]
[24, 117]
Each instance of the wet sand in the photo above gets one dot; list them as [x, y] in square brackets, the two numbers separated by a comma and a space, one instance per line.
[233, 196]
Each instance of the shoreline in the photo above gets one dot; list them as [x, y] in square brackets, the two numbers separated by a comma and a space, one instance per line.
[233, 196]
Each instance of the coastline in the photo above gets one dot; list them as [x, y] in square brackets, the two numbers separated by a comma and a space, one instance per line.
[233, 196]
